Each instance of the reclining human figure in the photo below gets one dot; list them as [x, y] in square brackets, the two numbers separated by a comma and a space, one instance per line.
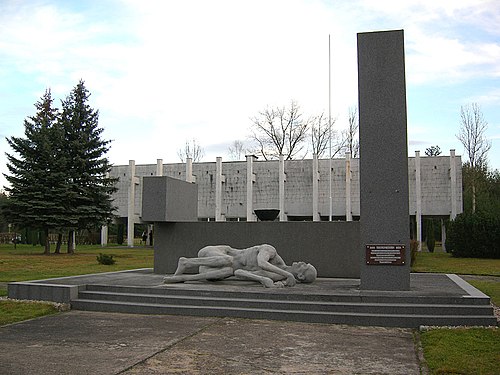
[258, 263]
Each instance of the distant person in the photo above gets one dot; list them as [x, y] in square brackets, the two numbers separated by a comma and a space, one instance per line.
[144, 237]
[150, 238]
[258, 263]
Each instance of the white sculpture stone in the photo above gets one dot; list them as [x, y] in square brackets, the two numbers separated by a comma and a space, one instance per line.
[258, 263]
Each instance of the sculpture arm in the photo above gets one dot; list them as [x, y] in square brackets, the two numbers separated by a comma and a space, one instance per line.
[263, 262]
[266, 281]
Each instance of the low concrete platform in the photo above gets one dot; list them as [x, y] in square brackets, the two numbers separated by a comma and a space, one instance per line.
[422, 284]
[434, 299]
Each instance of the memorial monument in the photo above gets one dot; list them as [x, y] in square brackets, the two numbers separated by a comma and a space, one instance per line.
[257, 263]
[376, 249]
[367, 261]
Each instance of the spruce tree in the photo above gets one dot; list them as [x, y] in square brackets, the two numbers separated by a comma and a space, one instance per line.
[37, 182]
[88, 202]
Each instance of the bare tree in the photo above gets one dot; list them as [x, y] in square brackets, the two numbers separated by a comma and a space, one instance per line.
[433, 151]
[236, 150]
[280, 131]
[350, 135]
[191, 150]
[472, 136]
[321, 132]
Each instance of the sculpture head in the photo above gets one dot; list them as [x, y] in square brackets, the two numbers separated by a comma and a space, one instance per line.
[303, 272]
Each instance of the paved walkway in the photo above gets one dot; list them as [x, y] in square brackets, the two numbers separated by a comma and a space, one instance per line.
[78, 342]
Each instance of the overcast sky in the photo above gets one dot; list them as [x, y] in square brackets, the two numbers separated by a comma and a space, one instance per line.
[163, 72]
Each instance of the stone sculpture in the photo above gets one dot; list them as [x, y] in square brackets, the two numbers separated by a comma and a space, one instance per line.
[258, 263]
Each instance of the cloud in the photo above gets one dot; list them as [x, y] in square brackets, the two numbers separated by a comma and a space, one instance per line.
[432, 58]
[162, 72]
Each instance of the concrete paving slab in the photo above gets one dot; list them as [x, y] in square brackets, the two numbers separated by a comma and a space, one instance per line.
[79, 342]
[237, 346]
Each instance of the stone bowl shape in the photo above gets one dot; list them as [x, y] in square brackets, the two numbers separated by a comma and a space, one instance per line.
[267, 214]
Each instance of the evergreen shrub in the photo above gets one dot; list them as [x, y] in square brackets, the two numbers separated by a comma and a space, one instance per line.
[474, 236]
[105, 259]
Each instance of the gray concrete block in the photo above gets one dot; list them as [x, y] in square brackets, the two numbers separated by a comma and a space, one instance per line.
[42, 292]
[168, 199]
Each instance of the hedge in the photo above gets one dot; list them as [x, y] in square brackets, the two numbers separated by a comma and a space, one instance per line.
[474, 236]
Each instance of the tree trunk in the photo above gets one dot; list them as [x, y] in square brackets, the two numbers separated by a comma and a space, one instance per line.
[59, 243]
[47, 242]
[473, 197]
[71, 249]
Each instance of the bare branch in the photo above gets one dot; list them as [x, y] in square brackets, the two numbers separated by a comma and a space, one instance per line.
[350, 136]
[433, 151]
[236, 150]
[472, 134]
[280, 131]
[191, 150]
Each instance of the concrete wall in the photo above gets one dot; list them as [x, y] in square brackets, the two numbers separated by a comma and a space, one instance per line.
[332, 247]
[435, 186]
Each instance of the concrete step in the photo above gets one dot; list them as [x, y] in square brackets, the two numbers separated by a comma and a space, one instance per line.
[264, 303]
[350, 318]
[385, 309]
[277, 294]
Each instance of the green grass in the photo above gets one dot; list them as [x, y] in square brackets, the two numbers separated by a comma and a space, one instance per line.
[27, 262]
[467, 350]
[16, 311]
[491, 288]
[445, 263]
[462, 351]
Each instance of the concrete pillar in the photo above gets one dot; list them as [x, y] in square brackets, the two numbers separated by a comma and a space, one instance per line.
[131, 203]
[281, 187]
[443, 234]
[250, 181]
[104, 236]
[453, 182]
[418, 200]
[315, 209]
[104, 229]
[219, 180]
[384, 224]
[189, 171]
[159, 167]
[348, 209]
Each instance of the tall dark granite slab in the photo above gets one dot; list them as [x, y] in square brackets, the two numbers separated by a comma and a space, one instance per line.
[383, 156]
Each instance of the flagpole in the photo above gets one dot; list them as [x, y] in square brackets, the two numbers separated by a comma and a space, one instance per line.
[330, 216]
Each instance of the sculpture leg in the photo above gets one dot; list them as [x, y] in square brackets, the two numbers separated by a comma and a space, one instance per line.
[212, 261]
[216, 274]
